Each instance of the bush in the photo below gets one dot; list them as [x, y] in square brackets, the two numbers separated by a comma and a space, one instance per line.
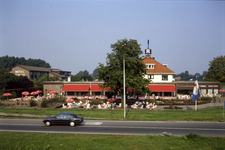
[206, 98]
[1, 104]
[193, 136]
[33, 103]
[44, 104]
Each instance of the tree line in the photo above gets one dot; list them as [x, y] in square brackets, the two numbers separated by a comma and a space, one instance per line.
[185, 76]
[8, 62]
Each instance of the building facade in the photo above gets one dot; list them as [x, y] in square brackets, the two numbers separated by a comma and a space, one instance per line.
[33, 73]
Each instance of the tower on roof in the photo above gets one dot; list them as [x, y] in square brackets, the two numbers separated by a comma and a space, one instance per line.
[148, 51]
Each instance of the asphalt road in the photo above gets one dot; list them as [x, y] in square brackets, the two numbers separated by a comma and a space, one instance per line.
[176, 128]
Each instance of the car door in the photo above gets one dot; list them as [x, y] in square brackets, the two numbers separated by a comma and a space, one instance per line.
[58, 119]
[66, 119]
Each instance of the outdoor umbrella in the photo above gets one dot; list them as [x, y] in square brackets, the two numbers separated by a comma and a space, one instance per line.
[70, 100]
[39, 91]
[33, 93]
[53, 92]
[112, 99]
[25, 93]
[49, 90]
[7, 94]
[222, 91]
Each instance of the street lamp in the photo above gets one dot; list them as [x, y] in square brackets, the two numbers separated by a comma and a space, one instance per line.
[124, 91]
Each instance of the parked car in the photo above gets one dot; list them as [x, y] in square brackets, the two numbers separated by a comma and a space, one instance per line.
[63, 119]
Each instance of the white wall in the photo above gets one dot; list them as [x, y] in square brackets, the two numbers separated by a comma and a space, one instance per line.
[158, 78]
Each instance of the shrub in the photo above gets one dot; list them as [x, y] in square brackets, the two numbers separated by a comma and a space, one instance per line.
[33, 103]
[44, 104]
[1, 104]
[206, 98]
[193, 136]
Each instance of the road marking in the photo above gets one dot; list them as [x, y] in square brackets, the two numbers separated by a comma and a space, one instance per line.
[92, 123]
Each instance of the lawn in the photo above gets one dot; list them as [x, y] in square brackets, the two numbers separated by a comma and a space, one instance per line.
[210, 114]
[20, 141]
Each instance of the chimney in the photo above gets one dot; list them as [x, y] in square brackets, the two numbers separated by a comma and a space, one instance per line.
[69, 79]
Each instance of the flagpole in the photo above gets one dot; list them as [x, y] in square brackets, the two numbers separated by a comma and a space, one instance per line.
[196, 93]
[196, 103]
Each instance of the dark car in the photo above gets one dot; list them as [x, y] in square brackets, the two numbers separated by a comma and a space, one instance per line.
[63, 119]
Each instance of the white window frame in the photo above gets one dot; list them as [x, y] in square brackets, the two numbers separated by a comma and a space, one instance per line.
[150, 66]
[150, 76]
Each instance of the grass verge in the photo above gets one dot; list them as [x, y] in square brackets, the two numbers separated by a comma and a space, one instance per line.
[19, 141]
[210, 114]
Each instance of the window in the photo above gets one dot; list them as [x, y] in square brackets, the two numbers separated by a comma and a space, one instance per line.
[165, 77]
[212, 85]
[202, 85]
[150, 66]
[150, 76]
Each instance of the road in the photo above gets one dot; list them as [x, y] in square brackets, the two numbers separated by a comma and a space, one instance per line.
[176, 128]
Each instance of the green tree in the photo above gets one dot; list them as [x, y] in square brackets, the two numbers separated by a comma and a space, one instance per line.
[95, 73]
[9, 62]
[45, 77]
[112, 73]
[85, 72]
[82, 75]
[11, 81]
[216, 71]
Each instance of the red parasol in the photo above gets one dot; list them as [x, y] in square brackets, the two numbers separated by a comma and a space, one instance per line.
[221, 90]
[33, 93]
[25, 93]
[70, 100]
[7, 94]
[49, 90]
[53, 92]
[39, 91]
[112, 99]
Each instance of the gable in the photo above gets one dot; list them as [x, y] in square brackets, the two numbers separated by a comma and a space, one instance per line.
[158, 67]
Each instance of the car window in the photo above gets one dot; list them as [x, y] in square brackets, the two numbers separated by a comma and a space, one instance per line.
[67, 116]
[73, 115]
[59, 116]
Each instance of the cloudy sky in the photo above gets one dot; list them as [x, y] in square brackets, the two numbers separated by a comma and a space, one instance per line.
[75, 35]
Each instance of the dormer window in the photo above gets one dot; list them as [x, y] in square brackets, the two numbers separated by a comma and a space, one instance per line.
[150, 66]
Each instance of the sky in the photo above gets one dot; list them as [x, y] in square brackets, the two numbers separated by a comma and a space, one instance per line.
[76, 35]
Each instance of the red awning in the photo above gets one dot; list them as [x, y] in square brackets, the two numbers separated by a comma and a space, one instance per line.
[96, 88]
[76, 88]
[162, 88]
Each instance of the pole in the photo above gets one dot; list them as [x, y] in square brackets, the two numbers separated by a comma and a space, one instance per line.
[124, 91]
[223, 108]
[196, 101]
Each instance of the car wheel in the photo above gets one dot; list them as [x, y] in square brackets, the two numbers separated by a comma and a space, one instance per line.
[72, 124]
[48, 123]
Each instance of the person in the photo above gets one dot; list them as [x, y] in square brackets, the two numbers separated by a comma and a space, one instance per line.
[153, 95]
[137, 102]
[140, 104]
[143, 103]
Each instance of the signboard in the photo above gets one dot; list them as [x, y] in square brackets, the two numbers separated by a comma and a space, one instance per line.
[20, 73]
